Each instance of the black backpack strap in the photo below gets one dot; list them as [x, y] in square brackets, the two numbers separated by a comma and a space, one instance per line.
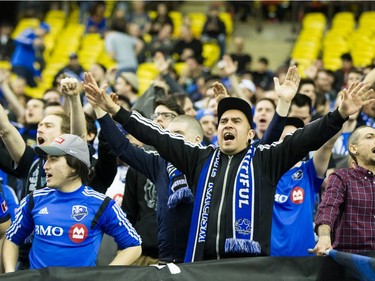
[100, 212]
[31, 201]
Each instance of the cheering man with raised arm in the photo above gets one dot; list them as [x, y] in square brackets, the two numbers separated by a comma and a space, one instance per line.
[234, 184]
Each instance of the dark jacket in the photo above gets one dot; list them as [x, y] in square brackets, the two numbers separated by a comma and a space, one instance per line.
[139, 204]
[173, 224]
[270, 162]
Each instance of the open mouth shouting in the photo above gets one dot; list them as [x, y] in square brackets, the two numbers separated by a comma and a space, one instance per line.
[228, 137]
[40, 140]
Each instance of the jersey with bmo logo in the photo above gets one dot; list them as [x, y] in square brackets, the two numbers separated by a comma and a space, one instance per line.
[293, 211]
[68, 227]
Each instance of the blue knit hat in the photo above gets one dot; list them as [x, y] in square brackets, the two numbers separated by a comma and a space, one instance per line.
[203, 112]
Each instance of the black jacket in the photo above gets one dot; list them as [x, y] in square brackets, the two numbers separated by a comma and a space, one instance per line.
[270, 163]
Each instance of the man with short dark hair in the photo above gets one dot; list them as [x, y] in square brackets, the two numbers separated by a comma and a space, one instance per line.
[301, 108]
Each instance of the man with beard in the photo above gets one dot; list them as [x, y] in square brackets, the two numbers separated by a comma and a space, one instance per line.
[345, 219]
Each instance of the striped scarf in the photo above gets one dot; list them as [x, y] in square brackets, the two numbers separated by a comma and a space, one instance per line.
[179, 191]
[243, 209]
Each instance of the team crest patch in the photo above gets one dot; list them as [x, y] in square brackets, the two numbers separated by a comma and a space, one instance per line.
[297, 175]
[79, 212]
[243, 226]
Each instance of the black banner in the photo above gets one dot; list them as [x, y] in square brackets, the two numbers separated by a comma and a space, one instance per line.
[257, 268]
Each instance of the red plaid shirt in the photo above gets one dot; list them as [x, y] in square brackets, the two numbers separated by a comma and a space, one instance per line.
[348, 207]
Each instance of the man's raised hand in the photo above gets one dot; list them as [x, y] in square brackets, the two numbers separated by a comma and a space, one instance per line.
[97, 97]
[70, 86]
[288, 89]
[353, 99]
[220, 91]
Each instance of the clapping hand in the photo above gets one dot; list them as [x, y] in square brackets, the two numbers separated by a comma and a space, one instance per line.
[97, 97]
[353, 99]
[288, 89]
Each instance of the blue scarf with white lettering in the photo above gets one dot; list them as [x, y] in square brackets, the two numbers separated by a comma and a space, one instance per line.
[179, 191]
[243, 210]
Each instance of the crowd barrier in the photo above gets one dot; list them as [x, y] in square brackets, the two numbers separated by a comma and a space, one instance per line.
[256, 268]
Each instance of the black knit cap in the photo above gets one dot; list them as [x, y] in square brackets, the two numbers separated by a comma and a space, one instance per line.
[235, 103]
[294, 121]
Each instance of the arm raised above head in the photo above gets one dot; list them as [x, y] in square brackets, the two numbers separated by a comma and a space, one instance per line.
[353, 99]
[11, 137]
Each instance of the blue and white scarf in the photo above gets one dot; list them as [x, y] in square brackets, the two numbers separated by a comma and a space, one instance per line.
[179, 191]
[369, 121]
[243, 210]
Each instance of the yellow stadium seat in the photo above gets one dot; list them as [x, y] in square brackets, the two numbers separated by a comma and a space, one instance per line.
[74, 29]
[211, 54]
[109, 5]
[5, 64]
[146, 74]
[88, 64]
[332, 63]
[303, 63]
[344, 16]
[55, 14]
[106, 60]
[93, 48]
[143, 85]
[58, 59]
[364, 31]
[334, 52]
[176, 17]
[367, 18]
[56, 25]
[23, 24]
[362, 61]
[228, 21]
[148, 70]
[179, 67]
[84, 56]
[303, 54]
[197, 21]
[147, 38]
[91, 38]
[36, 93]
[310, 34]
[31, 22]
[152, 14]
[54, 66]
[314, 20]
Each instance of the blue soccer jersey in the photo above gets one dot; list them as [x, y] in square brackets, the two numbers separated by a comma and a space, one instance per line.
[341, 144]
[11, 200]
[292, 222]
[68, 227]
[4, 212]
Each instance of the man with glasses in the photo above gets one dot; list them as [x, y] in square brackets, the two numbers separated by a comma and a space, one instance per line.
[140, 197]
[165, 110]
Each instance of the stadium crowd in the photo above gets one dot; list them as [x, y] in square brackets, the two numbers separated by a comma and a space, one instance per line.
[145, 128]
